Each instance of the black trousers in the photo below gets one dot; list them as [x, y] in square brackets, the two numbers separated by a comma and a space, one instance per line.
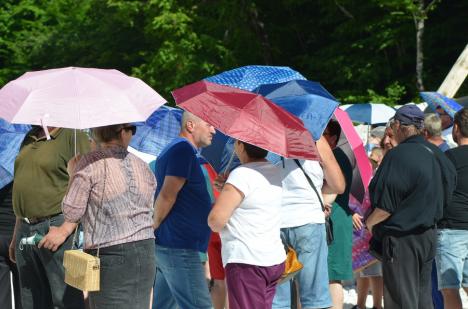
[406, 266]
[6, 266]
[41, 271]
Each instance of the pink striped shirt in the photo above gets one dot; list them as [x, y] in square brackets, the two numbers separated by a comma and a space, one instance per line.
[112, 195]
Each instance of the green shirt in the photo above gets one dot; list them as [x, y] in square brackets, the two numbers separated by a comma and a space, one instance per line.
[41, 178]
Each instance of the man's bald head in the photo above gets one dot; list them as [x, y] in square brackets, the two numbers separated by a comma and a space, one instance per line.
[196, 130]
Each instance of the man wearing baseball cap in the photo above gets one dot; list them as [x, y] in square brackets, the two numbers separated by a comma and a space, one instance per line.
[408, 193]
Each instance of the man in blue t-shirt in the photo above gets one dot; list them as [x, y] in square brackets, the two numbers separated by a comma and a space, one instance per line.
[180, 219]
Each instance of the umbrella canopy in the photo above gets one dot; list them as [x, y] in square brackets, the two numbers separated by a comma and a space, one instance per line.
[11, 137]
[369, 113]
[248, 117]
[307, 100]
[77, 98]
[435, 99]
[352, 145]
[251, 76]
[158, 130]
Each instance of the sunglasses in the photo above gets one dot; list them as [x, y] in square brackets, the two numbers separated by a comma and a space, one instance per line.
[129, 128]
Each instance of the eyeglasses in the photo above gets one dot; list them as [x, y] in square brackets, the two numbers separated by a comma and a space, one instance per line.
[129, 128]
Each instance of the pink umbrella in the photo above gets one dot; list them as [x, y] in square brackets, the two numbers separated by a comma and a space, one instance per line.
[77, 98]
[354, 148]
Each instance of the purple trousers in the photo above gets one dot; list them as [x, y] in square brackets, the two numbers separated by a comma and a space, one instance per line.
[251, 286]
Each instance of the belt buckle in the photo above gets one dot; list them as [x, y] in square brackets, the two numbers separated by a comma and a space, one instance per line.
[27, 220]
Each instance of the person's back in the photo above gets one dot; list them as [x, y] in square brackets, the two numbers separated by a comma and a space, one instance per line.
[251, 235]
[413, 175]
[299, 203]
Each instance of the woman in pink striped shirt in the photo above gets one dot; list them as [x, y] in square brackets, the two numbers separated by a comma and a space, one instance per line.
[111, 192]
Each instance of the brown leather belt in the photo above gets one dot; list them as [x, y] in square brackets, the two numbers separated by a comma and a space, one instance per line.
[36, 220]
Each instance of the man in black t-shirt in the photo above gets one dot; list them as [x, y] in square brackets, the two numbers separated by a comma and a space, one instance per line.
[408, 192]
[452, 234]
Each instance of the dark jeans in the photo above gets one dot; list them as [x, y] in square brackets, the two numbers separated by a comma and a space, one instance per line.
[407, 265]
[41, 271]
[6, 266]
[127, 276]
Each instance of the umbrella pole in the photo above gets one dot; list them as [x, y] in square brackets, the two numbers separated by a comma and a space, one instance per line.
[75, 141]
[228, 165]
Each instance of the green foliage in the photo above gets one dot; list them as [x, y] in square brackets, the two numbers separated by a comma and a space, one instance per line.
[360, 51]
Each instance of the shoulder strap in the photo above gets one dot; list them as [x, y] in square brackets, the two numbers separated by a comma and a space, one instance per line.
[311, 183]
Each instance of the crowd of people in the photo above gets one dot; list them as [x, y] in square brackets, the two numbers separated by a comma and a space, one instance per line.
[152, 227]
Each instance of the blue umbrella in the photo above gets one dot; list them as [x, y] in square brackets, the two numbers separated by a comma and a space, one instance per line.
[307, 100]
[369, 113]
[251, 76]
[11, 137]
[158, 130]
[435, 100]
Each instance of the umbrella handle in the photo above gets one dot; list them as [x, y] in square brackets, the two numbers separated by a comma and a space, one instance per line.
[44, 125]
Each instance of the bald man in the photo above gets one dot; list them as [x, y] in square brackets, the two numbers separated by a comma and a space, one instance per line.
[180, 219]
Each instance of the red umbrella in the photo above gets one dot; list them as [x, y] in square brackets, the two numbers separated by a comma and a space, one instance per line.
[248, 117]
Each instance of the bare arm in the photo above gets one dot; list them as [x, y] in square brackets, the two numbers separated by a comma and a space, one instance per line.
[377, 216]
[334, 179]
[57, 236]
[166, 198]
[228, 200]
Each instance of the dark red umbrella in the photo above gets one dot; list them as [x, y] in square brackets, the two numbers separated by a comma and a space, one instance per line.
[248, 117]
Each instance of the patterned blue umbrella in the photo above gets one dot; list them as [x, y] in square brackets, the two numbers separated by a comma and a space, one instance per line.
[11, 137]
[158, 130]
[435, 99]
[307, 100]
[251, 76]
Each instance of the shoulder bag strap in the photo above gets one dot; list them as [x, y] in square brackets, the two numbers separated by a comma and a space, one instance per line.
[311, 183]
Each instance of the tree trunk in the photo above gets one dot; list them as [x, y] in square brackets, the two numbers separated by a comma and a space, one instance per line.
[419, 23]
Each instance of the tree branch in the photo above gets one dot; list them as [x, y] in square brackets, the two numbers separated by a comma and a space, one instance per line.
[345, 11]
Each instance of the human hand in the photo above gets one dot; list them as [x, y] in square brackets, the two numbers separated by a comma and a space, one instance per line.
[54, 239]
[357, 222]
[11, 250]
[220, 181]
[71, 166]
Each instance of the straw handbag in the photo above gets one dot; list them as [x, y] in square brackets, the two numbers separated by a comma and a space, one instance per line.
[291, 266]
[82, 270]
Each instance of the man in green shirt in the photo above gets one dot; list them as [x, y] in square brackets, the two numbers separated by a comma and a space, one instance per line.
[40, 183]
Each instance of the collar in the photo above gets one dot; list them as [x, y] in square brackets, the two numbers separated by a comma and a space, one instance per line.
[414, 139]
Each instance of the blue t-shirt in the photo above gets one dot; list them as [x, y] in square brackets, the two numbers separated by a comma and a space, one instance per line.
[186, 226]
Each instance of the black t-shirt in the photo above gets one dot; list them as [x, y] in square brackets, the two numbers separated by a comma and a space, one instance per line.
[7, 216]
[409, 184]
[456, 214]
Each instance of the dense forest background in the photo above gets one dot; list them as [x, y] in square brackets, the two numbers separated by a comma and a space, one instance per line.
[360, 50]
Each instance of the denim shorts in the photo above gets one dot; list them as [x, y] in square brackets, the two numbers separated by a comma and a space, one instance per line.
[452, 258]
[310, 243]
